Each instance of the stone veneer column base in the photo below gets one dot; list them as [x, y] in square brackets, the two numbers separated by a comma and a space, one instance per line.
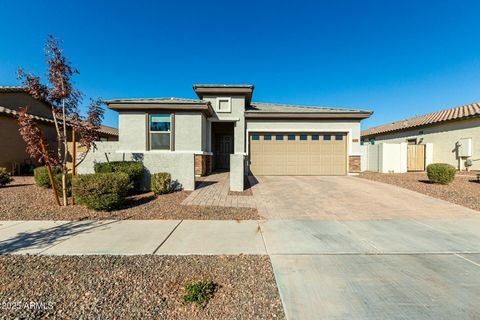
[354, 164]
[203, 164]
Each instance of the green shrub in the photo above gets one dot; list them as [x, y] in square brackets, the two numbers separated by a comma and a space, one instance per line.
[441, 173]
[133, 169]
[41, 176]
[160, 182]
[101, 191]
[4, 177]
[57, 179]
[199, 292]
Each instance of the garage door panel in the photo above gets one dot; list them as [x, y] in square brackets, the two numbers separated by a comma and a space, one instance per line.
[319, 154]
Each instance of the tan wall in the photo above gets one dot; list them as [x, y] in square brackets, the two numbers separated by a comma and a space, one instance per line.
[16, 100]
[444, 138]
[236, 114]
[187, 130]
[12, 146]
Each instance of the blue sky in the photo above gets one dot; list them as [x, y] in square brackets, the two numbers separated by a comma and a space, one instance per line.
[398, 58]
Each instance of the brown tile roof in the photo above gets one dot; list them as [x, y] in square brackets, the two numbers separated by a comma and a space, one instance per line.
[103, 129]
[12, 89]
[108, 130]
[462, 112]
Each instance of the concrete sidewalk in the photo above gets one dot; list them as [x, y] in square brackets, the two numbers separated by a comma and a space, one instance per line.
[217, 237]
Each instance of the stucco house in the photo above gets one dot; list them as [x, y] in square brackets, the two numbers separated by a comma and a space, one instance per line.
[224, 130]
[453, 134]
[12, 146]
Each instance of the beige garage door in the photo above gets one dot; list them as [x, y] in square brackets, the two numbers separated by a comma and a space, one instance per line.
[305, 154]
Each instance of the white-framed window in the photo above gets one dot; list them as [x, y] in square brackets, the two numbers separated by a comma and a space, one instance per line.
[224, 104]
[159, 131]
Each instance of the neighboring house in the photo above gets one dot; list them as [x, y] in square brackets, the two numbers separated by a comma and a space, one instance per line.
[454, 134]
[12, 146]
[225, 130]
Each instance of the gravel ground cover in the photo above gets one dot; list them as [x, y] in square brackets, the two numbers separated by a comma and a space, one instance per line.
[464, 190]
[22, 200]
[138, 287]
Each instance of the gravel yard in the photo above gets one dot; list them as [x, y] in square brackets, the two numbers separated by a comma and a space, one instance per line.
[464, 190]
[22, 200]
[141, 287]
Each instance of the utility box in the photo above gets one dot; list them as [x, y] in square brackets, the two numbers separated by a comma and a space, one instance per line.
[465, 147]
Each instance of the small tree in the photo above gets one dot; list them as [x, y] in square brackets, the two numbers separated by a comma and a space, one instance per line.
[64, 100]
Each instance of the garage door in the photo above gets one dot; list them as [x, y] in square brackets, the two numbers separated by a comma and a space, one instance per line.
[298, 153]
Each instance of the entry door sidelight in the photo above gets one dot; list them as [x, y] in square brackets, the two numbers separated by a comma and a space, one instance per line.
[223, 149]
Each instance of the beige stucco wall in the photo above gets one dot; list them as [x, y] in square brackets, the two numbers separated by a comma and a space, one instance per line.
[187, 130]
[12, 146]
[16, 100]
[352, 127]
[132, 128]
[443, 138]
[180, 165]
[236, 114]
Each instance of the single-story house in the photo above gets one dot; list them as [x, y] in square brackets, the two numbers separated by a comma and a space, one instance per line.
[12, 146]
[454, 135]
[225, 130]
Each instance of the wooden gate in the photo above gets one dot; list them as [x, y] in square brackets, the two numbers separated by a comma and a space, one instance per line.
[416, 157]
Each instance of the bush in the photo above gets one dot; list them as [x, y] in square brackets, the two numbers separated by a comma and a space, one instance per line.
[41, 176]
[57, 179]
[4, 177]
[160, 182]
[441, 173]
[101, 191]
[199, 292]
[133, 169]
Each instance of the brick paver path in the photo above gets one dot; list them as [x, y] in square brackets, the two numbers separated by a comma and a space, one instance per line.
[213, 191]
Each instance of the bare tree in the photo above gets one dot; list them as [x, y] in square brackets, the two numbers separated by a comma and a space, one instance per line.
[64, 100]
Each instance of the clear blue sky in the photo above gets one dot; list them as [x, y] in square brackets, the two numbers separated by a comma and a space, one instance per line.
[398, 58]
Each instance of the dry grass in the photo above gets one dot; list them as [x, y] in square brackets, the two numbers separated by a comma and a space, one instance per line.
[22, 200]
[464, 190]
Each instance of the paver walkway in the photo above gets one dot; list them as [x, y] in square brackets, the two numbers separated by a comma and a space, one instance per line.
[213, 191]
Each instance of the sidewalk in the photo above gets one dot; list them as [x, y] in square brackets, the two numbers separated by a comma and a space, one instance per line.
[131, 237]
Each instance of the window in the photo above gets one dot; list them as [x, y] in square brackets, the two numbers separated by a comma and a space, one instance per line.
[315, 136]
[303, 136]
[267, 137]
[279, 137]
[339, 137]
[255, 136]
[224, 104]
[291, 137]
[327, 137]
[160, 131]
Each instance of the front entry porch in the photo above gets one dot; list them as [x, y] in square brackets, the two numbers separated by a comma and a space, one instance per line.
[214, 190]
[222, 144]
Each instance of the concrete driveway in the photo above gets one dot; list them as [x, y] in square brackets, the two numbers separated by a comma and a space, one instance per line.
[389, 269]
[345, 198]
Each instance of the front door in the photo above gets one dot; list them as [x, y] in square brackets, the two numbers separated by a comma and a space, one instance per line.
[223, 149]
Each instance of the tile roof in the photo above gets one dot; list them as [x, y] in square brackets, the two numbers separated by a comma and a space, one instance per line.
[157, 100]
[462, 112]
[12, 89]
[103, 129]
[108, 130]
[257, 107]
